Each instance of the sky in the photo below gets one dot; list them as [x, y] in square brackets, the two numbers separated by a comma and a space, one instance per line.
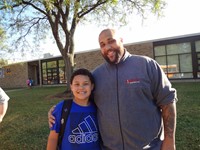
[180, 17]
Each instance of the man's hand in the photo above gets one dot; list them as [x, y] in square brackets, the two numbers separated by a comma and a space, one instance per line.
[51, 118]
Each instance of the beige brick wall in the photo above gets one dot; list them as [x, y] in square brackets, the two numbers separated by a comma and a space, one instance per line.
[89, 60]
[141, 49]
[15, 76]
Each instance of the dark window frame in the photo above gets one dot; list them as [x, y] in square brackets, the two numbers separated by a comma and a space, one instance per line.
[46, 69]
[180, 40]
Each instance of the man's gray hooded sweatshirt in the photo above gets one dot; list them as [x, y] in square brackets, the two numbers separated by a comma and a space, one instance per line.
[128, 96]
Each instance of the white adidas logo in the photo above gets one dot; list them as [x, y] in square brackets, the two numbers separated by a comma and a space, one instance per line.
[86, 132]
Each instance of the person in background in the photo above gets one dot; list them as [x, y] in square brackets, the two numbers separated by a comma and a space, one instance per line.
[3, 103]
[29, 82]
[136, 104]
[81, 131]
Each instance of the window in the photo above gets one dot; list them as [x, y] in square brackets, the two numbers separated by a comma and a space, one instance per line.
[159, 50]
[185, 63]
[52, 64]
[61, 63]
[53, 72]
[175, 60]
[197, 45]
[161, 60]
[178, 48]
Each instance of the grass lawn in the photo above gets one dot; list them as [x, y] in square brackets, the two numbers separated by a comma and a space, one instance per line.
[25, 125]
[188, 116]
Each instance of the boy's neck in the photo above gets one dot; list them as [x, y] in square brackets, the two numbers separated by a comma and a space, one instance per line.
[82, 102]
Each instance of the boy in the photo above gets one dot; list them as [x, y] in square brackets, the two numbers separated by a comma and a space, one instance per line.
[81, 130]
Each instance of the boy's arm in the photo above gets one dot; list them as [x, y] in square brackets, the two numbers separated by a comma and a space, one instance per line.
[52, 140]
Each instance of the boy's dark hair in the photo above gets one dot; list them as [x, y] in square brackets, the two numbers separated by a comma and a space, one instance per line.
[82, 71]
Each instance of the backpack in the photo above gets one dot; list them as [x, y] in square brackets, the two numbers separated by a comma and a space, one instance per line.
[65, 113]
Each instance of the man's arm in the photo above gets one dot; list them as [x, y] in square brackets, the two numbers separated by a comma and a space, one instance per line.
[169, 120]
[51, 118]
[3, 109]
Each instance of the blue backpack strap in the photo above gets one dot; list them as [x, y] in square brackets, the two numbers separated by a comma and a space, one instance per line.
[65, 113]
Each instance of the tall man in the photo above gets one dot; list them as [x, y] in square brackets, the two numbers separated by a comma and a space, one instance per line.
[135, 101]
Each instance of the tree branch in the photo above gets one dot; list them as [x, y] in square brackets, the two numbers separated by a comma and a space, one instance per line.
[92, 7]
[35, 7]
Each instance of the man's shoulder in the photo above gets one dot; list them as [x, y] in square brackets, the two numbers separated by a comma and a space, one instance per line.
[140, 58]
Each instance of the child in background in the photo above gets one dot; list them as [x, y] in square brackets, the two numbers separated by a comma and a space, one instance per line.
[29, 82]
[81, 131]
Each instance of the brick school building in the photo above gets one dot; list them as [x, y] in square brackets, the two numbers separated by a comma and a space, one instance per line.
[178, 56]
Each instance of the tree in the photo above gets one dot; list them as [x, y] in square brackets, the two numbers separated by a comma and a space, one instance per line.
[2, 41]
[35, 17]
[3, 62]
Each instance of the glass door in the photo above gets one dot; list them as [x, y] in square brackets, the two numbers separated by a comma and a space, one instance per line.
[52, 76]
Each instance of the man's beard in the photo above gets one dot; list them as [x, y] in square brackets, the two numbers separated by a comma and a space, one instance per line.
[117, 57]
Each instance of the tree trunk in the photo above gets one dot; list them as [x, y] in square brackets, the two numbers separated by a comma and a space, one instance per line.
[69, 66]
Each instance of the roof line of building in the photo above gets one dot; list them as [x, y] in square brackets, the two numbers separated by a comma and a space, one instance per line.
[126, 44]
